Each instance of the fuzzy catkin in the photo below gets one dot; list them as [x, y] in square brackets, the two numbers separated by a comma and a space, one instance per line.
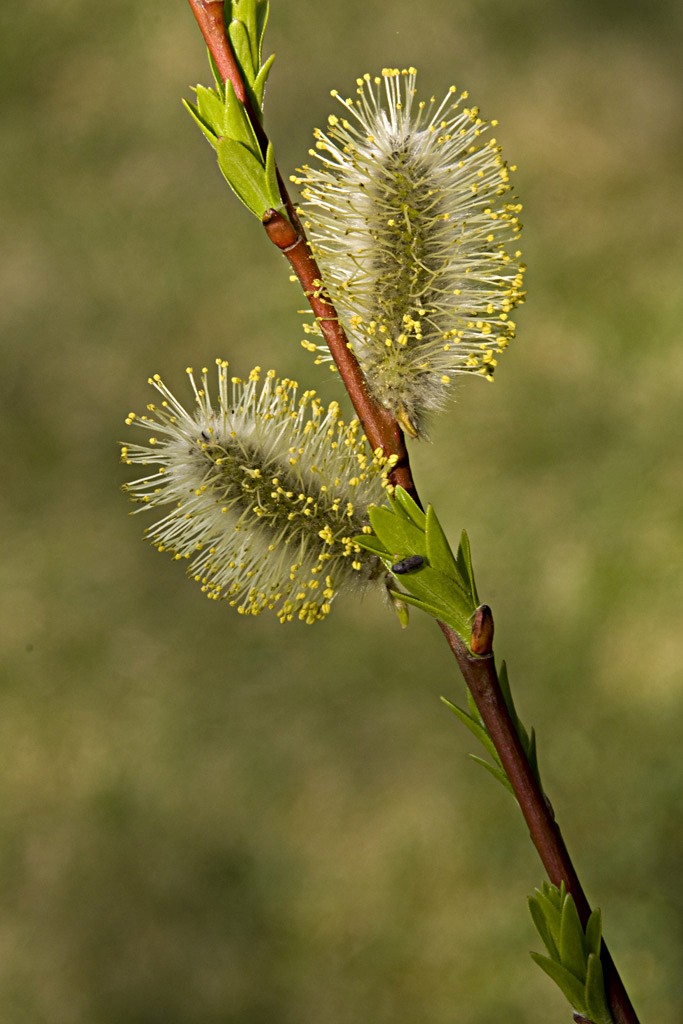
[412, 218]
[263, 493]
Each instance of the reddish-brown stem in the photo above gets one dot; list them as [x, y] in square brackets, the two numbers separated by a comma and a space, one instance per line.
[383, 432]
[381, 429]
[209, 17]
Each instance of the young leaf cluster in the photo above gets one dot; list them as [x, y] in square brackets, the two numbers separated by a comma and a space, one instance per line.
[573, 962]
[442, 584]
[246, 22]
[475, 723]
[224, 120]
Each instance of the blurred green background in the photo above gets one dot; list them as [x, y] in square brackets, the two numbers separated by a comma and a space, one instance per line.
[208, 820]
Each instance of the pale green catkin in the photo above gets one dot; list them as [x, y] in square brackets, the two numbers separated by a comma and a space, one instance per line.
[412, 217]
[262, 494]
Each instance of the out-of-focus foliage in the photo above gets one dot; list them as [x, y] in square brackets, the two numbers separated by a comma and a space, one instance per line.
[212, 820]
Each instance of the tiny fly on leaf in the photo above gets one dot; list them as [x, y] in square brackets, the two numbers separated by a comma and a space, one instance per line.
[409, 564]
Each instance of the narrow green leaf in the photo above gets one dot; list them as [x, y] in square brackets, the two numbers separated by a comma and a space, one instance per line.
[416, 602]
[244, 174]
[542, 928]
[523, 734]
[594, 932]
[477, 730]
[472, 705]
[557, 895]
[271, 178]
[597, 1007]
[369, 542]
[572, 952]
[403, 502]
[438, 613]
[262, 12]
[552, 915]
[220, 84]
[259, 85]
[498, 773]
[237, 123]
[464, 560]
[246, 12]
[532, 755]
[566, 982]
[211, 108]
[198, 119]
[504, 681]
[527, 740]
[438, 549]
[401, 609]
[241, 47]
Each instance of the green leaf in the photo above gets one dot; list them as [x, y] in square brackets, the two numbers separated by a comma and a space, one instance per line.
[399, 536]
[472, 705]
[220, 84]
[504, 681]
[417, 603]
[198, 119]
[493, 769]
[527, 740]
[253, 14]
[552, 915]
[401, 501]
[369, 542]
[532, 755]
[242, 48]
[262, 12]
[447, 590]
[541, 923]
[245, 175]
[271, 178]
[436, 611]
[260, 82]
[244, 11]
[566, 982]
[572, 952]
[594, 932]
[464, 560]
[401, 609]
[438, 549]
[237, 123]
[211, 109]
[597, 1007]
[477, 730]
[442, 593]
[555, 895]
[475, 725]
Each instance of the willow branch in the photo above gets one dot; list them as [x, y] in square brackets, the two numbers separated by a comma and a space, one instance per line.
[381, 429]
[383, 432]
[481, 677]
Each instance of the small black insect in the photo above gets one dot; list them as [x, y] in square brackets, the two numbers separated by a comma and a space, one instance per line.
[409, 564]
